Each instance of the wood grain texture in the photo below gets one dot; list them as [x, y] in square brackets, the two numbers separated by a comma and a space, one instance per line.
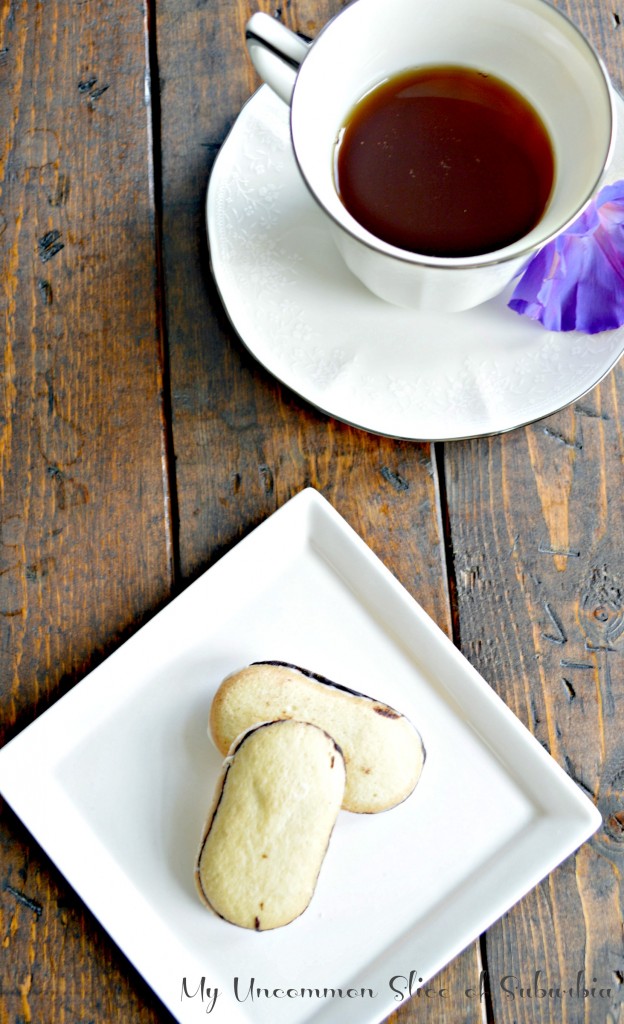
[243, 443]
[85, 536]
[92, 541]
[541, 610]
[603, 24]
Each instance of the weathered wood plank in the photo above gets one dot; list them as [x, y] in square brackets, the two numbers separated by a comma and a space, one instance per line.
[541, 611]
[85, 537]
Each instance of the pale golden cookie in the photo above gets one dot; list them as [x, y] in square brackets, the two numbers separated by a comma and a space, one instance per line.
[383, 752]
[273, 813]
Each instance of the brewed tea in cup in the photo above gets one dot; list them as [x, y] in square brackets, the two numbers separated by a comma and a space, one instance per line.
[445, 161]
[445, 141]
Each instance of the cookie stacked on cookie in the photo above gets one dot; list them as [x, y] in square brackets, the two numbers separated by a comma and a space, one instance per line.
[299, 747]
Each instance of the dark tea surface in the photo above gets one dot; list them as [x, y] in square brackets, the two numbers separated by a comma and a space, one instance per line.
[445, 161]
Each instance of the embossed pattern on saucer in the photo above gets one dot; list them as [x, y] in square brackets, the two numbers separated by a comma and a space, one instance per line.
[310, 323]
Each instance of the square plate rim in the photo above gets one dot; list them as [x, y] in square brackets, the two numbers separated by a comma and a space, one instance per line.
[309, 512]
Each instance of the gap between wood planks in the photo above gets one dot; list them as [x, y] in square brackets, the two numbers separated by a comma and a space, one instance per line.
[154, 116]
[487, 1007]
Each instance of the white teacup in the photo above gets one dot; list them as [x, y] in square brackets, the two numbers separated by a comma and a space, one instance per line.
[527, 43]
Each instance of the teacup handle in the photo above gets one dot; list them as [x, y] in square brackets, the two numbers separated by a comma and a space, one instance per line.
[275, 52]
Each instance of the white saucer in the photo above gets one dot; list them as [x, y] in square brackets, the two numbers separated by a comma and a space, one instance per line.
[309, 322]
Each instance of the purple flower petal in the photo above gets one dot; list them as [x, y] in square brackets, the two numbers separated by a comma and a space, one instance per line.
[576, 282]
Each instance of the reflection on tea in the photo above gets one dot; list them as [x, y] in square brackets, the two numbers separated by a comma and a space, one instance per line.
[445, 161]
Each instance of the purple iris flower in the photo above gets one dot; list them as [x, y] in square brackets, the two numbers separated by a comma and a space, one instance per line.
[576, 282]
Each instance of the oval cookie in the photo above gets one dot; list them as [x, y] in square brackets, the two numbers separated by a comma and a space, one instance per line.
[272, 817]
[383, 752]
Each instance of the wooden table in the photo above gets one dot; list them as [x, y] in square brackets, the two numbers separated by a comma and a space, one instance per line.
[139, 442]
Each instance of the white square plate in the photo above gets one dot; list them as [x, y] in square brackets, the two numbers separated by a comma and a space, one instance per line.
[115, 780]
